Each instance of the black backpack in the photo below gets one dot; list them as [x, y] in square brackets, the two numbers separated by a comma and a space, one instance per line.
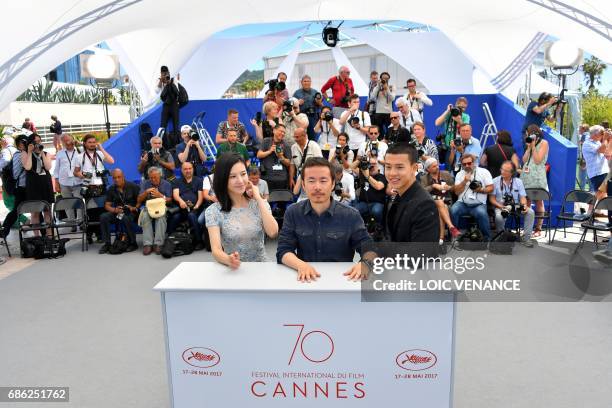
[503, 243]
[176, 244]
[120, 245]
[472, 240]
[43, 247]
[9, 182]
[183, 97]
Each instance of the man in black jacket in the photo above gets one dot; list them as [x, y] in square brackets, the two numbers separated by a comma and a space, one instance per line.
[170, 99]
[412, 215]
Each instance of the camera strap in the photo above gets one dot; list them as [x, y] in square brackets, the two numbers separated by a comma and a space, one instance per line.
[70, 158]
[304, 154]
[502, 152]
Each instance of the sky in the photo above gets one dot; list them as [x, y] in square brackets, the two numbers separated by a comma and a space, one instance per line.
[316, 27]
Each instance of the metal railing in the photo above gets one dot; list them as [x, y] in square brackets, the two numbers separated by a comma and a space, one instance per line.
[47, 136]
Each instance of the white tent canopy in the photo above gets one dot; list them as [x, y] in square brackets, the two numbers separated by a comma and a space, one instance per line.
[496, 37]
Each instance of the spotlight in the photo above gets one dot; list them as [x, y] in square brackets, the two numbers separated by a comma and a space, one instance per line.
[330, 34]
[562, 55]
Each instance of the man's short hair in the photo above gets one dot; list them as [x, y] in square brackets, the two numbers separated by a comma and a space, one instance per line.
[468, 156]
[504, 137]
[164, 68]
[402, 148]
[231, 112]
[418, 123]
[344, 134]
[411, 80]
[353, 97]
[254, 170]
[306, 76]
[462, 99]
[373, 73]
[317, 162]
[325, 107]
[279, 125]
[154, 169]
[596, 129]
[464, 125]
[185, 128]
[187, 162]
[337, 168]
[374, 126]
[154, 138]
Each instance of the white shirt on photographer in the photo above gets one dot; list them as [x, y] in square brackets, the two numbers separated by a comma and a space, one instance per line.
[382, 150]
[348, 187]
[85, 163]
[468, 196]
[327, 139]
[356, 137]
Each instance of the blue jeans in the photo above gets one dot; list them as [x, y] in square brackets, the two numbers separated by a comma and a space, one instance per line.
[375, 209]
[582, 179]
[479, 212]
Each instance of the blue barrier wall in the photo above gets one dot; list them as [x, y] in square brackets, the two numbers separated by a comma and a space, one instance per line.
[125, 146]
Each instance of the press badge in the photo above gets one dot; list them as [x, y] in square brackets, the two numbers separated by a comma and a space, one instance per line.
[277, 167]
[327, 146]
[526, 170]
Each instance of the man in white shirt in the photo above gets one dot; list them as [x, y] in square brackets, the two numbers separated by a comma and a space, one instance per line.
[327, 129]
[594, 151]
[356, 123]
[66, 182]
[344, 189]
[293, 120]
[372, 148]
[416, 99]
[472, 186]
[407, 115]
[302, 150]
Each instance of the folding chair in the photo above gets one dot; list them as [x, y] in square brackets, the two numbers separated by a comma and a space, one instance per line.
[592, 224]
[33, 206]
[90, 204]
[5, 243]
[565, 215]
[77, 205]
[535, 194]
[280, 197]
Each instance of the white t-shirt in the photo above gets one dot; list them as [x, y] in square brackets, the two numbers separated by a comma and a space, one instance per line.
[90, 163]
[296, 154]
[382, 150]
[263, 187]
[408, 121]
[348, 187]
[468, 196]
[356, 137]
[207, 184]
[327, 139]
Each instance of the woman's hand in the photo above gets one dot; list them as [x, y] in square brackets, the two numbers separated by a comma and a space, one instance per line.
[234, 260]
[254, 191]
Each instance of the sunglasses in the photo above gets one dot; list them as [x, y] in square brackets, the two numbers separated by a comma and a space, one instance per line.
[394, 117]
[468, 163]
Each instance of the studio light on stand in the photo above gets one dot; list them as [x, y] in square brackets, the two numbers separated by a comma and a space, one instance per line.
[103, 69]
[563, 58]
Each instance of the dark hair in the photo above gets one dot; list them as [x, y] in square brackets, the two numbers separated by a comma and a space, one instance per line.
[543, 98]
[346, 136]
[411, 80]
[315, 162]
[223, 167]
[511, 163]
[534, 130]
[374, 126]
[279, 74]
[21, 139]
[385, 73]
[605, 124]
[402, 148]
[254, 170]
[373, 73]
[164, 69]
[353, 96]
[326, 107]
[31, 138]
[279, 125]
[504, 138]
[87, 137]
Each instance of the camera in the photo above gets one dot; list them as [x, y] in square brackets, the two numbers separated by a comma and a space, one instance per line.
[327, 116]
[374, 149]
[347, 96]
[87, 175]
[341, 150]
[354, 121]
[275, 84]
[258, 118]
[279, 149]
[364, 163]
[193, 135]
[338, 188]
[531, 138]
[455, 111]
[375, 230]
[475, 185]
[420, 150]
[287, 106]
[458, 141]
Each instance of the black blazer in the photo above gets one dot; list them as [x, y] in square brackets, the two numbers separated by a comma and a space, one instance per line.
[413, 217]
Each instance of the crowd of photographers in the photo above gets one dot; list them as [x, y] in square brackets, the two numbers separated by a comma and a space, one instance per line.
[467, 184]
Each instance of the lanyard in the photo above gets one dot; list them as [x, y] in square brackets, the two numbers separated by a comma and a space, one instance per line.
[502, 186]
[70, 158]
[94, 160]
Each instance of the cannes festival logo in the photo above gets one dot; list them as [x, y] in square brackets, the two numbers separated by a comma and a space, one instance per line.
[201, 357]
[416, 360]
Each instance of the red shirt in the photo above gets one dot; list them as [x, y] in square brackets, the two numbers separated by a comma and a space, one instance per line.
[338, 90]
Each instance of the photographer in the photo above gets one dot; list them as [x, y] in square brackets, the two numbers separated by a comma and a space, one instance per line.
[19, 176]
[408, 115]
[503, 150]
[232, 123]
[281, 88]
[328, 130]
[262, 185]
[311, 101]
[342, 155]
[440, 183]
[151, 188]
[275, 159]
[302, 150]
[169, 95]
[372, 148]
[344, 187]
[370, 103]
[66, 183]
[121, 209]
[264, 126]
[342, 88]
[534, 169]
[425, 147]
[190, 150]
[416, 99]
[187, 193]
[372, 191]
[510, 199]
[383, 95]
[232, 145]
[463, 144]
[451, 118]
[472, 185]
[396, 133]
[356, 123]
[90, 168]
[7, 143]
[157, 157]
[293, 119]
[537, 111]
[37, 166]
[56, 129]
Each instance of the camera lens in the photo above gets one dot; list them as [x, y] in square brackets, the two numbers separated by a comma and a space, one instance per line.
[455, 111]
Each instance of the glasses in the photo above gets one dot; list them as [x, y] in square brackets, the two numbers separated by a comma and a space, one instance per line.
[373, 134]
[394, 117]
[468, 163]
[345, 72]
[411, 86]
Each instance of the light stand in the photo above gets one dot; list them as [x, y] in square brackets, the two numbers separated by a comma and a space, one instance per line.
[103, 69]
